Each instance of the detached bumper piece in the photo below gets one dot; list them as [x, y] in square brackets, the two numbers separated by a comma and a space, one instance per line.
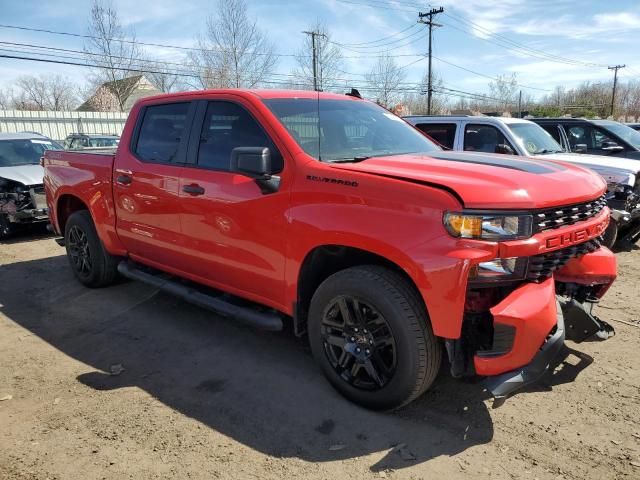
[542, 321]
[582, 324]
[501, 386]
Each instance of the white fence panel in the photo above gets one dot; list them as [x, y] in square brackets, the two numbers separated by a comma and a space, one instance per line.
[58, 125]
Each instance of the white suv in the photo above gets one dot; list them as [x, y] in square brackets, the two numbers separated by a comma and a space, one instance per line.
[516, 136]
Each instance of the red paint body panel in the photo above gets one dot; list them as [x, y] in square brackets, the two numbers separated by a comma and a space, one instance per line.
[237, 239]
[531, 310]
[596, 268]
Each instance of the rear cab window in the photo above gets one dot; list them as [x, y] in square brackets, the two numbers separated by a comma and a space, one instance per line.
[161, 132]
[443, 133]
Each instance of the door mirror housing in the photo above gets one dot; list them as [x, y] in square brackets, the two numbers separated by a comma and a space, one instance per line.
[580, 148]
[254, 162]
[611, 147]
[504, 149]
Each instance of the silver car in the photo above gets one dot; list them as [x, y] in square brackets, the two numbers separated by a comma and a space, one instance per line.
[22, 199]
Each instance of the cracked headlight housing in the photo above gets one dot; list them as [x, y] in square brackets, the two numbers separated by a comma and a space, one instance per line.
[492, 227]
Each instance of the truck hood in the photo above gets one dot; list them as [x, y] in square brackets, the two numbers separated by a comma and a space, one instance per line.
[490, 181]
[597, 162]
[25, 174]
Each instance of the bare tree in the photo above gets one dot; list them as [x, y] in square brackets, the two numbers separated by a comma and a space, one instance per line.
[114, 51]
[504, 90]
[163, 77]
[329, 60]
[416, 103]
[385, 79]
[6, 99]
[233, 52]
[47, 92]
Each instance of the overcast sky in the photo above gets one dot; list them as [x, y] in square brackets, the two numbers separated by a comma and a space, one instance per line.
[546, 43]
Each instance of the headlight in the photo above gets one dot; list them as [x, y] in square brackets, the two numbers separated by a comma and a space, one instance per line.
[499, 270]
[493, 227]
[617, 182]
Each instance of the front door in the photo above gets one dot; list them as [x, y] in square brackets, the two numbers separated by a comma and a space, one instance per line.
[147, 183]
[234, 232]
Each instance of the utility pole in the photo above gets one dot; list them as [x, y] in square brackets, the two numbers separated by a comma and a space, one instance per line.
[615, 82]
[520, 105]
[421, 16]
[314, 50]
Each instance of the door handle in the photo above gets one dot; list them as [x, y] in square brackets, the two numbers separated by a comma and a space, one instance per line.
[124, 179]
[193, 190]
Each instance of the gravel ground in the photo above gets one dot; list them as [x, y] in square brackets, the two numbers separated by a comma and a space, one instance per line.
[195, 396]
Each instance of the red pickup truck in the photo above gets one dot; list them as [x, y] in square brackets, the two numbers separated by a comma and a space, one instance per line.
[329, 212]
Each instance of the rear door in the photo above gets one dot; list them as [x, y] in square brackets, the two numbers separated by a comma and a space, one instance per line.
[147, 180]
[233, 230]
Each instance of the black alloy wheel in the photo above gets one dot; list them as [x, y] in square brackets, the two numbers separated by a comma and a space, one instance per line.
[79, 253]
[370, 334]
[359, 343]
[92, 265]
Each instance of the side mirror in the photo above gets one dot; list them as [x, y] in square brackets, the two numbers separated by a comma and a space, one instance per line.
[579, 148]
[254, 162]
[611, 147]
[504, 149]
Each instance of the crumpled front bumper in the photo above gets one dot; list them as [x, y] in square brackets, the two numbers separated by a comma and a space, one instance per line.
[532, 312]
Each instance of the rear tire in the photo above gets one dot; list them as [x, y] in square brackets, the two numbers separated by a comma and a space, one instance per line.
[92, 265]
[371, 335]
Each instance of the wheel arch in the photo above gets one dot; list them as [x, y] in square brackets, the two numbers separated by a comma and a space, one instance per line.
[66, 205]
[325, 260]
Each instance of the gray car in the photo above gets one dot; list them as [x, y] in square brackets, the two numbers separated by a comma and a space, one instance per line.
[22, 199]
[515, 136]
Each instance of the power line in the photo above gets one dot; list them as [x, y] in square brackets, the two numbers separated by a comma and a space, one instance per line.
[488, 76]
[135, 42]
[356, 49]
[413, 25]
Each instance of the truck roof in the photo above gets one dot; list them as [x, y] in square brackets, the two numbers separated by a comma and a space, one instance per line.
[260, 93]
[22, 136]
[483, 118]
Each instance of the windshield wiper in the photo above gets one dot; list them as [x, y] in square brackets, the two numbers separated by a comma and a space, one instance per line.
[355, 159]
[546, 150]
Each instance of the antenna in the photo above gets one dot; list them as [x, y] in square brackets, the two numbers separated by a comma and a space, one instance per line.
[319, 133]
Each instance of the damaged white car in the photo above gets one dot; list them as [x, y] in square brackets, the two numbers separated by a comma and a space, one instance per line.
[22, 199]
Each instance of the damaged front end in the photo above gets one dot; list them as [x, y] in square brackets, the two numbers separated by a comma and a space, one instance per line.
[513, 329]
[20, 204]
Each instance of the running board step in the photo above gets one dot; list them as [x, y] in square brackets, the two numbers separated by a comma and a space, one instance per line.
[248, 316]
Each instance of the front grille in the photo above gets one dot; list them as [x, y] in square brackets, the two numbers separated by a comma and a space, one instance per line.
[559, 217]
[542, 266]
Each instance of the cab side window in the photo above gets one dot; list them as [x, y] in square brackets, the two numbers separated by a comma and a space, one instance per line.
[443, 133]
[483, 138]
[226, 126]
[161, 131]
[76, 143]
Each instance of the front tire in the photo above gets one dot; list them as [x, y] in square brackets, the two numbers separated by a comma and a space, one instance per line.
[92, 265]
[371, 335]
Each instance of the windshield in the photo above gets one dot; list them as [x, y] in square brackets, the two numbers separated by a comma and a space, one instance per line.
[626, 133]
[103, 142]
[535, 139]
[24, 151]
[350, 130]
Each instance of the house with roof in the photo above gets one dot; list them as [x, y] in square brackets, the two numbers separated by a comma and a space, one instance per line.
[119, 95]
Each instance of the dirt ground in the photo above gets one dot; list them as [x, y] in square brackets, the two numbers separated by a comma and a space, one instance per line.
[201, 397]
